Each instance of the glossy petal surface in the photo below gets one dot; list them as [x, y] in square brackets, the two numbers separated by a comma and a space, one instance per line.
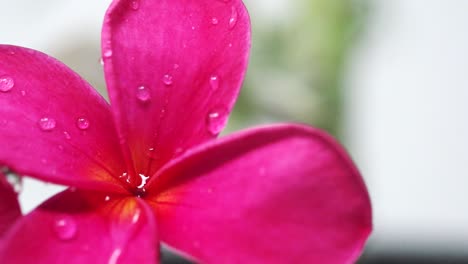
[53, 125]
[283, 194]
[9, 207]
[77, 227]
[173, 69]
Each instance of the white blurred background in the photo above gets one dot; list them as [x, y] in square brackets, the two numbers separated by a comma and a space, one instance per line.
[402, 98]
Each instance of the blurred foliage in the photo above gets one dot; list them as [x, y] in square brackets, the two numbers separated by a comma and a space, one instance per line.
[297, 62]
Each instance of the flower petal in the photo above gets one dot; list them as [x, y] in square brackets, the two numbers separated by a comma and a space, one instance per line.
[79, 227]
[53, 125]
[173, 69]
[9, 207]
[280, 194]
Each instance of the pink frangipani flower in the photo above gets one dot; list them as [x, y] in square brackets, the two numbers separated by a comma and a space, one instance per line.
[9, 207]
[148, 168]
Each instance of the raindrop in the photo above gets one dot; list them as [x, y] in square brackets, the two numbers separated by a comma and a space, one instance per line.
[47, 124]
[107, 198]
[82, 123]
[233, 19]
[216, 120]
[23, 92]
[6, 84]
[214, 82]
[143, 94]
[65, 228]
[167, 79]
[214, 21]
[135, 4]
[107, 53]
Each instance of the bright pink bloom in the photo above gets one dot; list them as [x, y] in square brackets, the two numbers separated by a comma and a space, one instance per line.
[9, 207]
[147, 168]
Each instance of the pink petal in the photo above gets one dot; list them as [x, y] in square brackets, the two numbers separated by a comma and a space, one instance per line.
[279, 194]
[173, 69]
[78, 227]
[9, 207]
[53, 125]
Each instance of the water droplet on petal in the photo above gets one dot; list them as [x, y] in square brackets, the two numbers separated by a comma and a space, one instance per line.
[23, 92]
[107, 53]
[233, 18]
[214, 82]
[47, 124]
[214, 21]
[216, 120]
[101, 61]
[135, 4]
[65, 228]
[6, 83]
[143, 94]
[167, 79]
[107, 198]
[82, 123]
[60, 147]
[176, 66]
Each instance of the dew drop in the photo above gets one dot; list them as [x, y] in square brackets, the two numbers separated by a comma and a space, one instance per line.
[167, 79]
[65, 228]
[47, 124]
[214, 82]
[216, 120]
[6, 83]
[23, 92]
[107, 198]
[214, 21]
[82, 123]
[233, 18]
[135, 4]
[107, 53]
[143, 94]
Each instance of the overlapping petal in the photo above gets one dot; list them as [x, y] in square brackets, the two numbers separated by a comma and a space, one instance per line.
[79, 227]
[53, 125]
[173, 69]
[280, 194]
[9, 207]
